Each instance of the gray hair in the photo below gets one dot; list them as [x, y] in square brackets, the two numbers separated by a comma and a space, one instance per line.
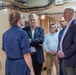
[70, 9]
[33, 16]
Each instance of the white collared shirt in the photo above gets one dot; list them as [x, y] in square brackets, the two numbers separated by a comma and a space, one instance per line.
[33, 49]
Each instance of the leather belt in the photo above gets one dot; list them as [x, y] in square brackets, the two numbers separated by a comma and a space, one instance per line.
[15, 58]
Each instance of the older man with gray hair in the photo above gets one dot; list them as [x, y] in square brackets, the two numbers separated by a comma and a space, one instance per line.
[36, 38]
[68, 42]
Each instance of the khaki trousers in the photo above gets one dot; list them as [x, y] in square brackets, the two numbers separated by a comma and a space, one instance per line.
[0, 65]
[50, 59]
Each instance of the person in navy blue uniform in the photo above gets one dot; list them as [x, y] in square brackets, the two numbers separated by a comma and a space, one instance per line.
[36, 39]
[17, 48]
[62, 69]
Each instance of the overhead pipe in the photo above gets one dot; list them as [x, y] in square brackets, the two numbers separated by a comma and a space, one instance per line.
[37, 8]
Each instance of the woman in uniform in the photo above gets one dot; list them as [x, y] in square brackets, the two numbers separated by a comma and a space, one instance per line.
[17, 49]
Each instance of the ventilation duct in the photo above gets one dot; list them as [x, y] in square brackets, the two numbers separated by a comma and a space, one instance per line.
[22, 1]
[15, 5]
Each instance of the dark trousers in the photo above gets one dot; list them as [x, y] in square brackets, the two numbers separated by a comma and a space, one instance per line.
[16, 67]
[60, 69]
[64, 68]
[71, 70]
[37, 66]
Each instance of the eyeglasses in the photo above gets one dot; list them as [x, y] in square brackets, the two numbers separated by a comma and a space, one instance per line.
[62, 21]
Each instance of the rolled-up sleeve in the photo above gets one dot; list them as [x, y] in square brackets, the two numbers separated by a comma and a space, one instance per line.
[25, 46]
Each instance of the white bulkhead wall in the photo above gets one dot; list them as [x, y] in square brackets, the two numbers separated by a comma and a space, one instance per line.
[4, 25]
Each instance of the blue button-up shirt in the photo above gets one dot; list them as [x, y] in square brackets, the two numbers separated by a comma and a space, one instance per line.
[51, 42]
[60, 34]
[15, 42]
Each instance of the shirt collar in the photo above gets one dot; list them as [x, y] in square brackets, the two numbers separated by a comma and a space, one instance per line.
[70, 21]
[52, 33]
[15, 26]
[32, 29]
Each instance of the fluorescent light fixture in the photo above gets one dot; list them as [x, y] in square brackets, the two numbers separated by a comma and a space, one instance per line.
[42, 17]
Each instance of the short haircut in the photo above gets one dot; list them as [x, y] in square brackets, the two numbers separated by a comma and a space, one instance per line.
[33, 16]
[52, 26]
[70, 9]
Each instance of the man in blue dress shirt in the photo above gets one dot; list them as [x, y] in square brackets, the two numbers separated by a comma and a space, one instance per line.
[17, 48]
[62, 69]
[51, 45]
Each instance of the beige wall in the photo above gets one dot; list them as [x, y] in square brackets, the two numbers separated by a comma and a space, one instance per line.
[44, 23]
[4, 25]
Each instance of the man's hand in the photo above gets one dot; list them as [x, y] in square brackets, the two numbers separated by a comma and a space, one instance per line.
[32, 72]
[41, 45]
[53, 52]
[61, 54]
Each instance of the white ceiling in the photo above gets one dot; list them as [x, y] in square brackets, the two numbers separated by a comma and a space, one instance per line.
[55, 10]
